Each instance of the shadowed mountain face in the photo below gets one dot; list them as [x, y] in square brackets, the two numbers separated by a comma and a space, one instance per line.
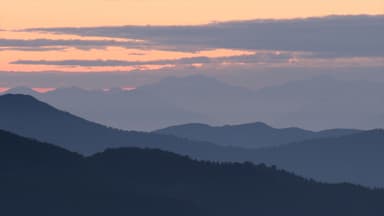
[353, 158]
[41, 179]
[319, 103]
[253, 135]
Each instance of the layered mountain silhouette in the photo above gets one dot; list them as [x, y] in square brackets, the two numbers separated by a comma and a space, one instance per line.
[318, 103]
[42, 179]
[331, 155]
[25, 115]
[252, 135]
[332, 159]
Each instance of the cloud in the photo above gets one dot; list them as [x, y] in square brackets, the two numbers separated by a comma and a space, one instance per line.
[265, 57]
[333, 36]
[33, 49]
[49, 44]
[109, 63]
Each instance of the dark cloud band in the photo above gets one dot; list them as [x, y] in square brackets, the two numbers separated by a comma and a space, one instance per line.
[41, 44]
[253, 58]
[336, 36]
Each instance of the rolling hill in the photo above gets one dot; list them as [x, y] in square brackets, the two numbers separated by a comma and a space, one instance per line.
[42, 179]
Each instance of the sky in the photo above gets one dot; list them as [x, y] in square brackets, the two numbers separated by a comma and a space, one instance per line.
[53, 13]
[125, 36]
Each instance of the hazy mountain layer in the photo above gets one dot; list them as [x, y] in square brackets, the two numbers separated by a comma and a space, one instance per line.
[316, 104]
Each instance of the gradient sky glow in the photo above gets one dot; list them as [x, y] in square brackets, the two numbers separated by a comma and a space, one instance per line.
[52, 13]
[173, 35]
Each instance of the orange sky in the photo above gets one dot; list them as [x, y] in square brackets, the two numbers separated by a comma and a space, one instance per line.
[19, 14]
[48, 13]
[115, 53]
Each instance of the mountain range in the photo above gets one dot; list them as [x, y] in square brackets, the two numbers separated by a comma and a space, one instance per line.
[43, 179]
[317, 104]
[252, 135]
[346, 157]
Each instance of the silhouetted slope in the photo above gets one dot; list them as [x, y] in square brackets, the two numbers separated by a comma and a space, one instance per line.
[253, 135]
[145, 182]
[41, 179]
[29, 117]
[18, 148]
[354, 158]
[22, 90]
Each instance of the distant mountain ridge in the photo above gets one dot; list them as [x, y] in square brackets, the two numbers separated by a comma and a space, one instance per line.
[42, 179]
[252, 135]
[317, 104]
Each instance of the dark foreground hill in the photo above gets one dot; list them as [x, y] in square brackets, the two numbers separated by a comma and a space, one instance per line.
[252, 135]
[42, 179]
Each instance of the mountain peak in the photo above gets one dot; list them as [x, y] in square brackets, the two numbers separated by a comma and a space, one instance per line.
[72, 89]
[21, 90]
[21, 100]
[256, 125]
[18, 98]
